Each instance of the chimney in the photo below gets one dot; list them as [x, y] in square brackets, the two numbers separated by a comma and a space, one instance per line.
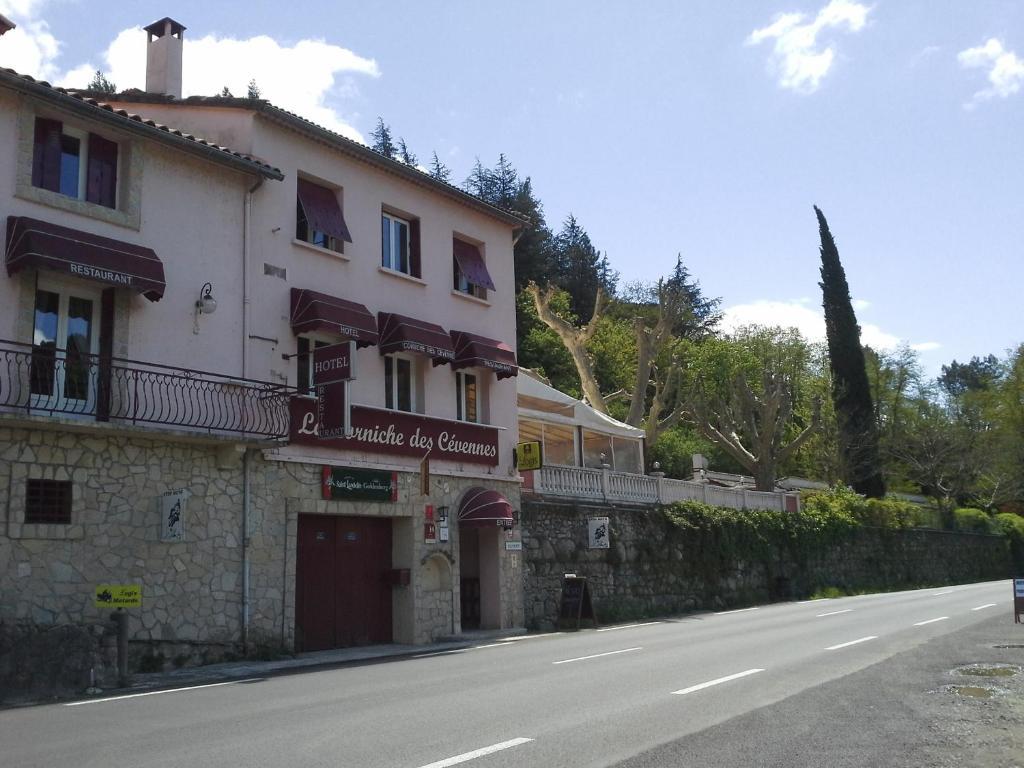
[163, 57]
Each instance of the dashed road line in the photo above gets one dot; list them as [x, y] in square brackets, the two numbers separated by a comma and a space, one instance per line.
[482, 752]
[166, 690]
[597, 655]
[940, 594]
[833, 613]
[717, 681]
[851, 642]
[930, 621]
[736, 610]
[980, 607]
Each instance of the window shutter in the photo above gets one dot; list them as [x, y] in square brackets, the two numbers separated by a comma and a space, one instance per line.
[101, 175]
[46, 154]
[414, 248]
[106, 354]
[302, 359]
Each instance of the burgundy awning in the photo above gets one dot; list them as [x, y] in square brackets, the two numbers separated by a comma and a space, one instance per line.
[399, 333]
[313, 311]
[473, 350]
[322, 210]
[35, 243]
[471, 264]
[481, 506]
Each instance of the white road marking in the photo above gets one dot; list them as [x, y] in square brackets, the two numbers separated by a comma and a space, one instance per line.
[939, 594]
[736, 610]
[530, 637]
[931, 621]
[813, 600]
[718, 681]
[833, 613]
[597, 655]
[490, 645]
[157, 693]
[986, 605]
[852, 642]
[628, 626]
[467, 756]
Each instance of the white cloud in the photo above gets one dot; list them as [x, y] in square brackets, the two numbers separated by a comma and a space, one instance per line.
[810, 322]
[799, 60]
[926, 346]
[299, 77]
[1005, 70]
[860, 304]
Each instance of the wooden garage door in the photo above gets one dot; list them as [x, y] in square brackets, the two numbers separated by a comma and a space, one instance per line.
[343, 593]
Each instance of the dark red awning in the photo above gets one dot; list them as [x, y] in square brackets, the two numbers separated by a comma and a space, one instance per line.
[471, 264]
[35, 243]
[481, 506]
[322, 210]
[313, 311]
[399, 333]
[473, 350]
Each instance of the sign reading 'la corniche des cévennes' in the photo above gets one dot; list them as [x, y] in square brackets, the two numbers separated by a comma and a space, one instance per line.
[398, 434]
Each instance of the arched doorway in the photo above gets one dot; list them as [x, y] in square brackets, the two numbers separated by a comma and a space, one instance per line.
[483, 517]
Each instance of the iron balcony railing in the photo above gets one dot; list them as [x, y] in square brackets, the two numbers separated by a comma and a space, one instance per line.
[44, 380]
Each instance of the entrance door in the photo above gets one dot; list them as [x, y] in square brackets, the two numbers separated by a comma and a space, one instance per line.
[342, 585]
[65, 341]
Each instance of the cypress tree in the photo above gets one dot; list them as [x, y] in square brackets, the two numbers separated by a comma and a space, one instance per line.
[851, 394]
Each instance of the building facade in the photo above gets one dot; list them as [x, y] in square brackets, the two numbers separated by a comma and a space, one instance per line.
[272, 386]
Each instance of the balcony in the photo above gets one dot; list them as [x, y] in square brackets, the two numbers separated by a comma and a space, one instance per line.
[607, 487]
[39, 381]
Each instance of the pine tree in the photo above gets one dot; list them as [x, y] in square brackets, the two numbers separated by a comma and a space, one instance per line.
[851, 393]
[504, 183]
[439, 170]
[479, 182]
[254, 90]
[226, 92]
[405, 155]
[578, 267]
[100, 84]
[382, 140]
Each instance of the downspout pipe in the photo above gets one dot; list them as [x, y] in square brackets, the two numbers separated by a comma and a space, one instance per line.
[246, 472]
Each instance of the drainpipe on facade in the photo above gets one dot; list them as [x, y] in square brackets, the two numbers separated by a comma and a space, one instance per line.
[246, 238]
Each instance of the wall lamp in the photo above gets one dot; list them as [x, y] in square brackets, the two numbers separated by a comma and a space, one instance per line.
[205, 305]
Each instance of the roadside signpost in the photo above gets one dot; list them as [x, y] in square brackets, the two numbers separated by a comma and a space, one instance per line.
[1018, 600]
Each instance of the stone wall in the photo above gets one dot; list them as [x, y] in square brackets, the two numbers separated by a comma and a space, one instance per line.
[653, 568]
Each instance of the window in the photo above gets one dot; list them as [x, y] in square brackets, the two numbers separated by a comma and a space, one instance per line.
[64, 344]
[74, 163]
[48, 502]
[398, 383]
[559, 441]
[400, 244]
[304, 360]
[467, 397]
[463, 285]
[318, 217]
[470, 272]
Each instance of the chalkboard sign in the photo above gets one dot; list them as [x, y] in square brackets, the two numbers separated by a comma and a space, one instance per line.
[576, 603]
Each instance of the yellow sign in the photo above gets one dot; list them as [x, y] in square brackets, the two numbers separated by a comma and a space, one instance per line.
[119, 596]
[529, 455]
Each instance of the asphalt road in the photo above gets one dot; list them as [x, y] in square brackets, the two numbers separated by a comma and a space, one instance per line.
[593, 698]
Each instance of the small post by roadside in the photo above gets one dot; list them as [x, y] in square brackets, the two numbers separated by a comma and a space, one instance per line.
[1018, 600]
[120, 619]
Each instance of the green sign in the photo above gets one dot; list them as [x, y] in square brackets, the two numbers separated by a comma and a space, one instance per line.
[349, 484]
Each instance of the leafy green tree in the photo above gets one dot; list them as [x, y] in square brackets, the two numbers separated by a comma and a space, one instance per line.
[581, 269]
[382, 141]
[858, 438]
[253, 90]
[100, 84]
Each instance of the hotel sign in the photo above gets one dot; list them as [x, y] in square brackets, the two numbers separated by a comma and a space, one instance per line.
[396, 433]
[350, 484]
[334, 363]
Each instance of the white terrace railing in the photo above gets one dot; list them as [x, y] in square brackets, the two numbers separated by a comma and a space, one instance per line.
[603, 485]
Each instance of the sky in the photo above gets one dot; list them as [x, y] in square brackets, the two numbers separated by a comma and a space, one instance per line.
[698, 128]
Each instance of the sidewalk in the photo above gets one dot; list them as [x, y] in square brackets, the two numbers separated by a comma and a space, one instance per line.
[237, 670]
